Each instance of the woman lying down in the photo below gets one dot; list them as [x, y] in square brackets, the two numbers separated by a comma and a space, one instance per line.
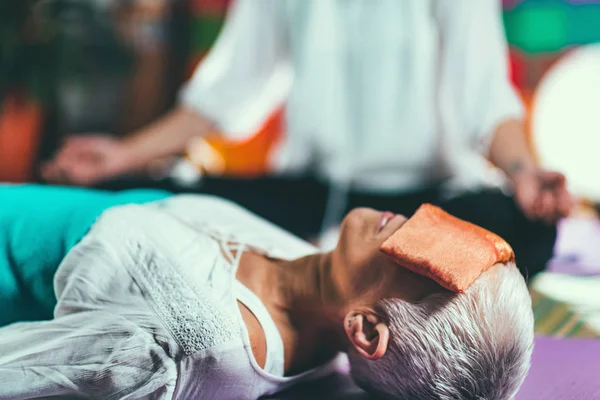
[192, 297]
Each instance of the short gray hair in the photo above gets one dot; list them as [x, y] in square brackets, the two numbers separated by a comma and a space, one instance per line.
[471, 345]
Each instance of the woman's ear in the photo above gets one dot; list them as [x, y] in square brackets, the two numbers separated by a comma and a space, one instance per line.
[368, 333]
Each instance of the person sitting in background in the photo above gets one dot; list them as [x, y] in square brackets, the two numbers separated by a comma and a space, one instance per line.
[194, 297]
[392, 104]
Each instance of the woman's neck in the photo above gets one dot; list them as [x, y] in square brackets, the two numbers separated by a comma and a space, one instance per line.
[314, 309]
[303, 302]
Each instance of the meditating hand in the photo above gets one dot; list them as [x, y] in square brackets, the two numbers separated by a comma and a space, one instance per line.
[543, 195]
[86, 160]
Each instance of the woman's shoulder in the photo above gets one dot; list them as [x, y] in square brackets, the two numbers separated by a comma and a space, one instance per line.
[175, 267]
[132, 231]
[236, 223]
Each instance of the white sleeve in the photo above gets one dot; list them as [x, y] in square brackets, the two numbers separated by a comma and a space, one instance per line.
[83, 355]
[475, 86]
[246, 75]
[86, 351]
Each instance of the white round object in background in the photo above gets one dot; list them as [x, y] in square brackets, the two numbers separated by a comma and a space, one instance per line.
[566, 120]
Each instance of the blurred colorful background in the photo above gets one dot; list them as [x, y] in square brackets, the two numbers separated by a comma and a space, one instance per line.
[118, 64]
[541, 31]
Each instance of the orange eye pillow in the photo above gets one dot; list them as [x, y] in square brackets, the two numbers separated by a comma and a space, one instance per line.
[452, 252]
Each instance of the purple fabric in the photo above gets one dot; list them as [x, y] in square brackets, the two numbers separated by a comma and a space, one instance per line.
[577, 249]
[562, 369]
[336, 387]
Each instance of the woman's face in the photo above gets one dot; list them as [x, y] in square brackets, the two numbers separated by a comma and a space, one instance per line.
[363, 232]
[358, 253]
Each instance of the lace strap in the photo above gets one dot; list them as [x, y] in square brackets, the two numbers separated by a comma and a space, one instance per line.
[195, 319]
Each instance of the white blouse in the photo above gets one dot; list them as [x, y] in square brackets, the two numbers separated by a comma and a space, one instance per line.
[147, 309]
[384, 95]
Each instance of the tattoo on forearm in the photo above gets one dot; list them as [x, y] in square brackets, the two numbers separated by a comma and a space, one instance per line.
[516, 166]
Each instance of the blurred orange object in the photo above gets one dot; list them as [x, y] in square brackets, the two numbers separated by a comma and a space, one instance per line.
[216, 155]
[20, 128]
[517, 68]
[209, 7]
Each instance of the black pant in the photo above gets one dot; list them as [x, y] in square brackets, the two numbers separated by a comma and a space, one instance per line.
[298, 205]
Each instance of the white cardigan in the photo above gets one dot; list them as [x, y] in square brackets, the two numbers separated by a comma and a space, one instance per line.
[147, 310]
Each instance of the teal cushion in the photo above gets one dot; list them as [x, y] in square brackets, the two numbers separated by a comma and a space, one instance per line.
[38, 226]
